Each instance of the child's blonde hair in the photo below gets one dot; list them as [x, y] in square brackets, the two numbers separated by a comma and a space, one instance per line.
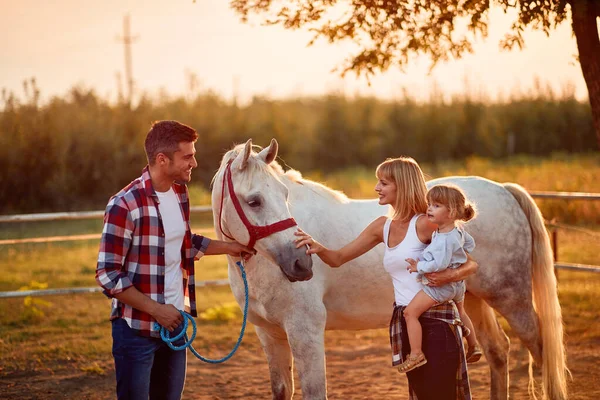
[410, 186]
[454, 198]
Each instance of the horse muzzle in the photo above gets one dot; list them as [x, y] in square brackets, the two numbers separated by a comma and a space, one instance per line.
[296, 266]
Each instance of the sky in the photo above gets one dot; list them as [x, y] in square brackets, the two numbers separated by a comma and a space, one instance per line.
[67, 42]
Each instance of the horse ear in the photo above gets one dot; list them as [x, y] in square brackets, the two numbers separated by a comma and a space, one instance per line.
[269, 153]
[247, 152]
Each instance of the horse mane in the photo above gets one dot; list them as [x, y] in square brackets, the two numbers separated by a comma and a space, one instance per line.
[295, 176]
[276, 170]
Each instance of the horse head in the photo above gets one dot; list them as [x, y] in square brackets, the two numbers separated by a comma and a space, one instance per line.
[250, 206]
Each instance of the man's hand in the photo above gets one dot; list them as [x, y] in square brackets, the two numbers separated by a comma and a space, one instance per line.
[239, 250]
[441, 278]
[168, 316]
[412, 265]
[234, 249]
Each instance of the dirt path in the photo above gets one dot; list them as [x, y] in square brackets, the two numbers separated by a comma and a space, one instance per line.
[357, 368]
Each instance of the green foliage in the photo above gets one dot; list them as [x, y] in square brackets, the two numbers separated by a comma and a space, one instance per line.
[32, 311]
[93, 369]
[73, 153]
[394, 32]
[222, 313]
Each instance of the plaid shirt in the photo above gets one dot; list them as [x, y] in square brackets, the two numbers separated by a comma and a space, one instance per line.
[448, 313]
[132, 251]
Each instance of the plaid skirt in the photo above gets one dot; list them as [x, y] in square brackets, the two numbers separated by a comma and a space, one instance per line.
[446, 312]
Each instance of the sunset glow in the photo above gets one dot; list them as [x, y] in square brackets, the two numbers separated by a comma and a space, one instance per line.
[65, 42]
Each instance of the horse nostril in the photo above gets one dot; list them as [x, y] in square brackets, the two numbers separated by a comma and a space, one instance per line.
[305, 263]
[298, 266]
[305, 271]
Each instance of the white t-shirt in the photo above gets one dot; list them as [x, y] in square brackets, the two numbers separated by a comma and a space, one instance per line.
[174, 226]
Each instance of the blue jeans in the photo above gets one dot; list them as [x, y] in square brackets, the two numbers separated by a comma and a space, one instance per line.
[146, 367]
[435, 380]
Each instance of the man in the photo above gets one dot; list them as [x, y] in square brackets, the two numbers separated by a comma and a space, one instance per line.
[146, 265]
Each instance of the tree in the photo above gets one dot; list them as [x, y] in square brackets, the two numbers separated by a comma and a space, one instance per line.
[391, 32]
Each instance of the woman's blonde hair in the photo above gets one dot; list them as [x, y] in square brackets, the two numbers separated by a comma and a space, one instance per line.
[411, 191]
[454, 198]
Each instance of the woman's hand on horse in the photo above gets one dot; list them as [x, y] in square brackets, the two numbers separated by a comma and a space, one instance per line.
[304, 239]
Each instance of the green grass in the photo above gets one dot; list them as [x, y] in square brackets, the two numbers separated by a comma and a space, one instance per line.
[74, 332]
[21, 230]
[72, 264]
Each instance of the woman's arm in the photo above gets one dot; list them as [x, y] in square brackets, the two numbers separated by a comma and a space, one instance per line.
[371, 236]
[453, 275]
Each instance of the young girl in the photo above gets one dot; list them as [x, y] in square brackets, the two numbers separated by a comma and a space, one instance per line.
[447, 207]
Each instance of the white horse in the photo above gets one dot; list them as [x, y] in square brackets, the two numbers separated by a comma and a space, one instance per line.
[294, 299]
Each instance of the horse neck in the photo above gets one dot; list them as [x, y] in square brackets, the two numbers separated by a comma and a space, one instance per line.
[319, 213]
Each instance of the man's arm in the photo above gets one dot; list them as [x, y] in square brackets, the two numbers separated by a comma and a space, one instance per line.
[165, 314]
[116, 239]
[453, 275]
[110, 275]
[230, 248]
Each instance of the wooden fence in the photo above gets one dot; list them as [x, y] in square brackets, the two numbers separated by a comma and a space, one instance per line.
[99, 214]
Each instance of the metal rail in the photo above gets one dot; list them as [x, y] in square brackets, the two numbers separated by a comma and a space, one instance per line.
[577, 267]
[565, 195]
[220, 282]
[52, 292]
[49, 239]
[62, 216]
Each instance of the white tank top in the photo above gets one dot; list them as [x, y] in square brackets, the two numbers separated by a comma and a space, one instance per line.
[405, 283]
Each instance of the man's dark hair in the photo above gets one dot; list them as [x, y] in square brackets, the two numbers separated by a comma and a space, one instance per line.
[165, 136]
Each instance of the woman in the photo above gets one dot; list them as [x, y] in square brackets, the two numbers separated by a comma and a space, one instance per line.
[405, 233]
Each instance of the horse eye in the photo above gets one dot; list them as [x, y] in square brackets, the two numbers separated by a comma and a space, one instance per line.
[254, 203]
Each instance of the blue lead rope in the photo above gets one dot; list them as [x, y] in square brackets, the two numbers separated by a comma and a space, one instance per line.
[164, 333]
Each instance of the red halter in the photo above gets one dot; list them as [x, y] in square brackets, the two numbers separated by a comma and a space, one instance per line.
[255, 232]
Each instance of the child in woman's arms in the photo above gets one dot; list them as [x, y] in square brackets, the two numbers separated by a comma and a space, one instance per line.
[447, 207]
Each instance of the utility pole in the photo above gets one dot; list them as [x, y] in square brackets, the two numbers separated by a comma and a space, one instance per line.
[127, 40]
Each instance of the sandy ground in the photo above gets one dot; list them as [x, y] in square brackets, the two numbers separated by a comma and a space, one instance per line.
[357, 368]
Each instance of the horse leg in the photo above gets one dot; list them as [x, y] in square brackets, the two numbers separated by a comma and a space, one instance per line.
[523, 320]
[279, 357]
[306, 336]
[494, 342]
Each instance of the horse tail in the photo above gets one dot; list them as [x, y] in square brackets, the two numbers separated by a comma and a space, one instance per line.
[545, 297]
